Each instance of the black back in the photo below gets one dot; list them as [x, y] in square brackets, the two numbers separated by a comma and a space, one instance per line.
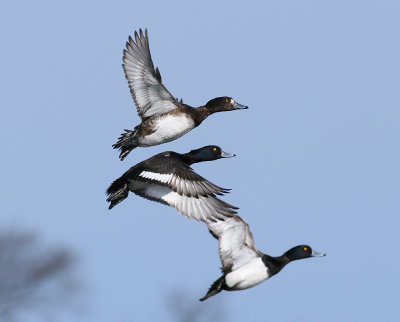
[164, 162]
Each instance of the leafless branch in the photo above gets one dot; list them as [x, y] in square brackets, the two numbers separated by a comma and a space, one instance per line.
[33, 276]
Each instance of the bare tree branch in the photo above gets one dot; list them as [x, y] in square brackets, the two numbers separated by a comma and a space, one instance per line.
[33, 276]
[186, 308]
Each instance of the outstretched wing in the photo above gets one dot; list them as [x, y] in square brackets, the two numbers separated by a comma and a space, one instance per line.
[189, 193]
[236, 244]
[150, 95]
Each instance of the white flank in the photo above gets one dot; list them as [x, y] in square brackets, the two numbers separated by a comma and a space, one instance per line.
[168, 128]
[164, 178]
[248, 275]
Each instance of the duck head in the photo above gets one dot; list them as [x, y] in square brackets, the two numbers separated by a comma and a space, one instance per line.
[209, 153]
[225, 103]
[300, 252]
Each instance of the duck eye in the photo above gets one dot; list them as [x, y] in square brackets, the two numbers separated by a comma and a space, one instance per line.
[214, 149]
[227, 100]
[305, 248]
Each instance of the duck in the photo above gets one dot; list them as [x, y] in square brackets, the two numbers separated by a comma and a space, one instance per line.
[164, 118]
[243, 265]
[167, 178]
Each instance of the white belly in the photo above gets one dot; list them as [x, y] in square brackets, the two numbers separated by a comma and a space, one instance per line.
[168, 128]
[248, 275]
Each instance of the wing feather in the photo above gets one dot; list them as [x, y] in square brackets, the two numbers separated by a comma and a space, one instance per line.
[177, 185]
[236, 244]
[150, 95]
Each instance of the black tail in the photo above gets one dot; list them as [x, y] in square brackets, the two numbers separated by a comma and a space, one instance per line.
[117, 192]
[125, 143]
[215, 288]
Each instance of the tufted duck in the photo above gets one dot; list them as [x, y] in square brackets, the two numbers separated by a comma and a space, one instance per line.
[168, 178]
[164, 118]
[243, 265]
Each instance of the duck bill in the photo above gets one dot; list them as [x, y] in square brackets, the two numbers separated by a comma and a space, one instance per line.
[317, 254]
[227, 154]
[238, 106]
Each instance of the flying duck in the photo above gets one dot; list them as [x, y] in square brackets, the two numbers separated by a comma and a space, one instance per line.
[243, 265]
[168, 178]
[164, 118]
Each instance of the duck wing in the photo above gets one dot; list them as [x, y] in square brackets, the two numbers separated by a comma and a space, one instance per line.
[236, 244]
[150, 95]
[174, 183]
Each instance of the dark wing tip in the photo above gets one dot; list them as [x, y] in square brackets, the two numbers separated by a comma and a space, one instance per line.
[213, 234]
[215, 288]
[158, 75]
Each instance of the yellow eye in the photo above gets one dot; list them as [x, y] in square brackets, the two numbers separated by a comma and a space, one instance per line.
[227, 100]
[214, 149]
[305, 248]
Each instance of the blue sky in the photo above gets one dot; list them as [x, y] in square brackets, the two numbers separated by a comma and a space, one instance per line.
[317, 152]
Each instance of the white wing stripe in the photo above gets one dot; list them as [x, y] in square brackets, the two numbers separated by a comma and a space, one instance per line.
[163, 178]
[194, 199]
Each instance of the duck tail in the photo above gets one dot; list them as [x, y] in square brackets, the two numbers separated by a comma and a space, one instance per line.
[215, 288]
[117, 192]
[125, 143]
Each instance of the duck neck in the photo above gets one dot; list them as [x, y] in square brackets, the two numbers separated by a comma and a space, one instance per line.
[201, 114]
[275, 264]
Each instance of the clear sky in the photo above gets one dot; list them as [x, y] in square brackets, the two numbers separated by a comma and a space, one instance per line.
[317, 152]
